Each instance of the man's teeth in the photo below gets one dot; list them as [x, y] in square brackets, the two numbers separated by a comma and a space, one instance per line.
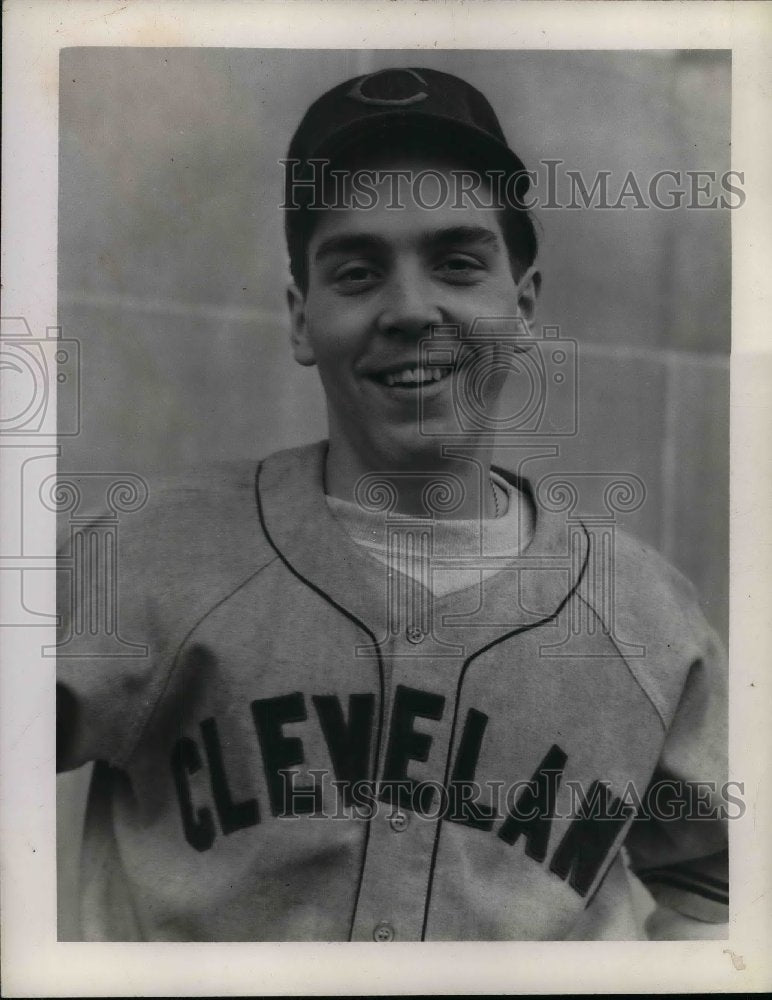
[413, 375]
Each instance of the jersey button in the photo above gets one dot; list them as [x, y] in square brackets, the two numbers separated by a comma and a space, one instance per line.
[414, 635]
[398, 822]
[383, 931]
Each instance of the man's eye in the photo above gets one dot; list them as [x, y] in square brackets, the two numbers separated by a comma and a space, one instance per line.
[355, 274]
[460, 267]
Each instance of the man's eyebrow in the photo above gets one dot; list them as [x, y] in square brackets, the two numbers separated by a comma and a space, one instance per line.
[462, 234]
[351, 243]
[374, 243]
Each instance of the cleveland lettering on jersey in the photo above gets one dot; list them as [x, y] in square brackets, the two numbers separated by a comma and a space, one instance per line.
[578, 857]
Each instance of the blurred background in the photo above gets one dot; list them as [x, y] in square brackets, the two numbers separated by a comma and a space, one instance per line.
[173, 269]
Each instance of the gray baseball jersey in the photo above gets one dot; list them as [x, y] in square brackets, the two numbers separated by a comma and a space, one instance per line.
[293, 757]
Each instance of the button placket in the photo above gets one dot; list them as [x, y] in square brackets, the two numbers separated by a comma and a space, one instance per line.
[394, 880]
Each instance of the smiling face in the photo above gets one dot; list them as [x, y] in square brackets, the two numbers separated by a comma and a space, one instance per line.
[379, 280]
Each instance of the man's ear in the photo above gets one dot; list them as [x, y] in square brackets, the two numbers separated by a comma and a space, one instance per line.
[528, 294]
[301, 345]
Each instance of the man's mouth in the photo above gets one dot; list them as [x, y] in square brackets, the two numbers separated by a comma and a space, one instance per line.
[413, 378]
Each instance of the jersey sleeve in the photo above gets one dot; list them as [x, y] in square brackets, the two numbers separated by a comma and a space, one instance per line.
[105, 644]
[678, 847]
[131, 587]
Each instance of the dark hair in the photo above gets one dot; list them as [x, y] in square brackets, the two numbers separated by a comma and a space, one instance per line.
[517, 223]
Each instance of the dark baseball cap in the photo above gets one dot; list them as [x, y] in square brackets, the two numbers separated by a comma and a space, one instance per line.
[418, 101]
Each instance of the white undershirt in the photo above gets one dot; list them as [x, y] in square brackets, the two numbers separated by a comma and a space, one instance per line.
[419, 547]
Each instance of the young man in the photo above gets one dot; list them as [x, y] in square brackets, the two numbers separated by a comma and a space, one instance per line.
[385, 695]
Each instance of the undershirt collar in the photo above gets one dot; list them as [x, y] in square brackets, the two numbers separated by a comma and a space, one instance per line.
[387, 538]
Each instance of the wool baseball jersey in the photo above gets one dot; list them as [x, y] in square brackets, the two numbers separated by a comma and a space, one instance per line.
[288, 751]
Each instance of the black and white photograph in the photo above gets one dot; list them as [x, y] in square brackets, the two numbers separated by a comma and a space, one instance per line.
[390, 472]
[414, 680]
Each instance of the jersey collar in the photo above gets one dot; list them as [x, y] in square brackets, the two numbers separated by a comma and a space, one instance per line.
[314, 547]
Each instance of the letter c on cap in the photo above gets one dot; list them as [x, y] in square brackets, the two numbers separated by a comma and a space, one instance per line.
[419, 95]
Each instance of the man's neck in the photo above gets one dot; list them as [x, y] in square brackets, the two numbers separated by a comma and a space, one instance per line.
[453, 484]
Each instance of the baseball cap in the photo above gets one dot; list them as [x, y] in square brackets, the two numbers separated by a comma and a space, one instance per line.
[426, 101]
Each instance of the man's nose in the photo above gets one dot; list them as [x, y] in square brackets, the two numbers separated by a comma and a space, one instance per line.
[410, 307]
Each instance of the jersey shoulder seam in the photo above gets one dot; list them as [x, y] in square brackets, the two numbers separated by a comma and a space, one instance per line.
[142, 724]
[633, 673]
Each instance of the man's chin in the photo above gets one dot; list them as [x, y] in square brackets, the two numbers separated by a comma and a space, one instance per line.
[416, 446]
